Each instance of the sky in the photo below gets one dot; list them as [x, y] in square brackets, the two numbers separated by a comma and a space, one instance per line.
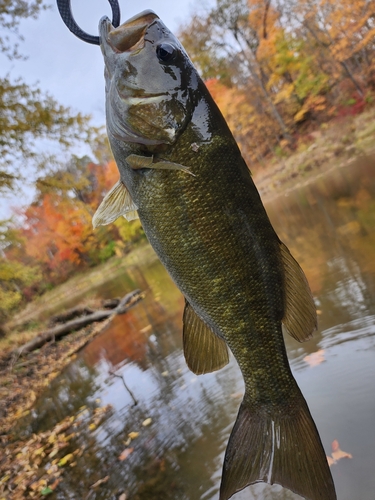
[70, 69]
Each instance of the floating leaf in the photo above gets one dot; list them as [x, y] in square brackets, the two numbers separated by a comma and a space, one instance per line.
[147, 422]
[124, 455]
[338, 454]
[315, 358]
[133, 435]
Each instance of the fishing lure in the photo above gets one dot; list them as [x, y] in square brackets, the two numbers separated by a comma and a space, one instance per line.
[66, 14]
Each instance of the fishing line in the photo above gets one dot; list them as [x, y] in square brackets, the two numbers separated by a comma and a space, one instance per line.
[66, 14]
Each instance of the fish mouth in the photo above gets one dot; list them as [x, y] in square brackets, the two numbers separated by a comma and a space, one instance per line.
[130, 35]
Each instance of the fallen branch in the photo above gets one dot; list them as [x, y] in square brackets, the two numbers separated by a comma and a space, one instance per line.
[70, 314]
[59, 331]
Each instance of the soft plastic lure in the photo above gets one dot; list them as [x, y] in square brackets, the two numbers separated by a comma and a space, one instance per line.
[66, 14]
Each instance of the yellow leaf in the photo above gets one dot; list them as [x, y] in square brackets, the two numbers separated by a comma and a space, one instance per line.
[52, 438]
[39, 451]
[147, 422]
[53, 453]
[133, 435]
[65, 459]
[92, 427]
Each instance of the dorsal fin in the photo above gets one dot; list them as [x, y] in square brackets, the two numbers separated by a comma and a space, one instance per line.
[116, 202]
[204, 351]
[300, 313]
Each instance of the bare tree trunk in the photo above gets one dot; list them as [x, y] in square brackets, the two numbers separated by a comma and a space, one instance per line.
[59, 331]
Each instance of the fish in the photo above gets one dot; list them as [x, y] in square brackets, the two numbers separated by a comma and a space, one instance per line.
[182, 174]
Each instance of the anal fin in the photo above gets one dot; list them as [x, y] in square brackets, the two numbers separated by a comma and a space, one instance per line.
[300, 313]
[204, 351]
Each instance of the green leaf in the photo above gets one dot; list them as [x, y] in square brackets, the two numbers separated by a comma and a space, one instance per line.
[46, 491]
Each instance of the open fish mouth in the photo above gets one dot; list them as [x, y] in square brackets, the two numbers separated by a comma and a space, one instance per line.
[130, 35]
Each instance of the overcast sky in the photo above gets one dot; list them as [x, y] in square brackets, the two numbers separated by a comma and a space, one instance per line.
[70, 69]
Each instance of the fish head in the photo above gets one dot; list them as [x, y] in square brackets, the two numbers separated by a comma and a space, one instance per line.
[151, 84]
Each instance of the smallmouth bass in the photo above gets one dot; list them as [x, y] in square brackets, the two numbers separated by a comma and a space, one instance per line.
[182, 174]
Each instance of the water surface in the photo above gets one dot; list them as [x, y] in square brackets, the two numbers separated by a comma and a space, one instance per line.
[329, 227]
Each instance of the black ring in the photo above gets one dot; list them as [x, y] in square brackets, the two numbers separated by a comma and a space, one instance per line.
[65, 10]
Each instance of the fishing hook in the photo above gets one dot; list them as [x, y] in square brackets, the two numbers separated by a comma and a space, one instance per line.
[65, 10]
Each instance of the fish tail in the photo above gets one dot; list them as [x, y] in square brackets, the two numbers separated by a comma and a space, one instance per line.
[277, 446]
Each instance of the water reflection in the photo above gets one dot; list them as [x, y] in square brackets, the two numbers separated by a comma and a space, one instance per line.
[329, 228]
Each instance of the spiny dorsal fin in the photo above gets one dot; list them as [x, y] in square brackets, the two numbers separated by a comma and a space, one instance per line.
[117, 202]
[300, 313]
[204, 351]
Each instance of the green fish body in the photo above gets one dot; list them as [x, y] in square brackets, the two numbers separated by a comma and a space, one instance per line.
[182, 172]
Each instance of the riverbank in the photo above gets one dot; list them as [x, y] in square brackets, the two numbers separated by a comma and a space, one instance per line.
[23, 378]
[334, 145]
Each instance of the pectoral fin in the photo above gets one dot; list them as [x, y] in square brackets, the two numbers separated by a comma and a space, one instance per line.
[300, 313]
[204, 351]
[117, 202]
[137, 162]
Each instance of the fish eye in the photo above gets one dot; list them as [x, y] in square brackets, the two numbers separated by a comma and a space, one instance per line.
[166, 52]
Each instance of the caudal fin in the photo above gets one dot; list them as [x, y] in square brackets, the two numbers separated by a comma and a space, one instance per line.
[282, 448]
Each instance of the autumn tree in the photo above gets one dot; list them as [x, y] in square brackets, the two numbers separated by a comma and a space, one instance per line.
[343, 34]
[57, 226]
[26, 116]
[235, 39]
[15, 274]
[26, 113]
[283, 66]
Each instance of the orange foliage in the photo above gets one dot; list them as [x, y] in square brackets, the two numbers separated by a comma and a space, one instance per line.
[57, 233]
[277, 70]
[57, 230]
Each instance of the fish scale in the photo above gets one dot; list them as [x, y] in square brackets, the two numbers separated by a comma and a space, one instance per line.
[183, 172]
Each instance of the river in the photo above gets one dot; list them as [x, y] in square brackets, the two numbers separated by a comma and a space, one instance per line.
[329, 227]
